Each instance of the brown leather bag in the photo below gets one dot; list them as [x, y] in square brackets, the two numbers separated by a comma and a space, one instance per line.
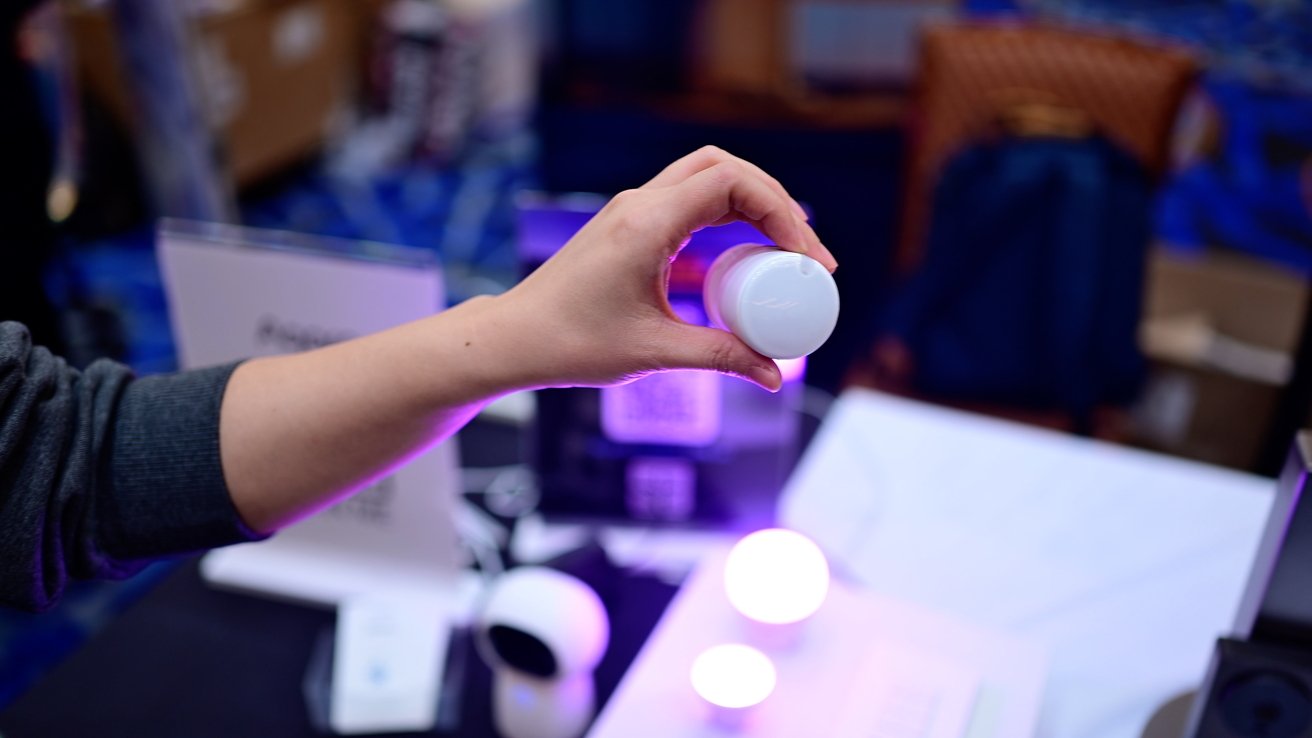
[973, 74]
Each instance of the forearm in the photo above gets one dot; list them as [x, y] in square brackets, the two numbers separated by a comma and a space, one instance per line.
[299, 431]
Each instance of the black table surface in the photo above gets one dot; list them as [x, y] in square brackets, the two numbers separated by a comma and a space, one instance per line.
[191, 661]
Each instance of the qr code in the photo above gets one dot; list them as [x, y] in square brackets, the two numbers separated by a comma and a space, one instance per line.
[675, 408]
[662, 489]
[371, 505]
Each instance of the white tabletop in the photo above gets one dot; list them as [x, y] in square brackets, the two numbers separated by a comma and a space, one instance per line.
[862, 666]
[1126, 565]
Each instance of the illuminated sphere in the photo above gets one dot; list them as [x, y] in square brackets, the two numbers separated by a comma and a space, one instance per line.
[733, 676]
[776, 576]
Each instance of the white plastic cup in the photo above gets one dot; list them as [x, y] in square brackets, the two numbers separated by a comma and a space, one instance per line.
[782, 304]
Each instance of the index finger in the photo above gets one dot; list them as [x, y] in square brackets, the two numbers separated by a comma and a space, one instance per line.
[707, 157]
[730, 190]
[693, 169]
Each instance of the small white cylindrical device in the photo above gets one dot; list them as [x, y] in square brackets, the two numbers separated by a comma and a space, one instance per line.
[780, 303]
[733, 679]
[776, 576]
[543, 632]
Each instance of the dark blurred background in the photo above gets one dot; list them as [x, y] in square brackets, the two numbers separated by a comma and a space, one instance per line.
[1092, 215]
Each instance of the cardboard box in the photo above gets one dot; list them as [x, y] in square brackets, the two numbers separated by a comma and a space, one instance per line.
[274, 75]
[1219, 331]
[740, 47]
[795, 49]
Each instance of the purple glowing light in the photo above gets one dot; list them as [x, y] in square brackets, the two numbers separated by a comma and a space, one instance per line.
[733, 676]
[776, 576]
[678, 408]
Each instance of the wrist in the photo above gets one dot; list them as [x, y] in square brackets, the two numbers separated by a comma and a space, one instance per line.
[495, 348]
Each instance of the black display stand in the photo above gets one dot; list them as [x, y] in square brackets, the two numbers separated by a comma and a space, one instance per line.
[1259, 681]
[188, 660]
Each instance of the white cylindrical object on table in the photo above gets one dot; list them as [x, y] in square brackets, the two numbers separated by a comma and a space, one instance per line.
[782, 304]
[542, 632]
[733, 679]
[776, 579]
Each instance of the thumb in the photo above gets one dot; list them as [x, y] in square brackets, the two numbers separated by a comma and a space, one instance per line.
[693, 347]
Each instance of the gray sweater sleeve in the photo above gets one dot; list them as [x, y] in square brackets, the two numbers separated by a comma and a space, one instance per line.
[100, 472]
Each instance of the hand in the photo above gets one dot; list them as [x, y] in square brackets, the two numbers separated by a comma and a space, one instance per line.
[597, 312]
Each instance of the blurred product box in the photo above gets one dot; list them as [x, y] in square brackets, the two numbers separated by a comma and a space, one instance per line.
[445, 74]
[275, 75]
[797, 48]
[1219, 331]
[737, 48]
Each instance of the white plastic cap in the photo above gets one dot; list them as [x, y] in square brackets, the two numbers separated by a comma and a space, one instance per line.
[782, 304]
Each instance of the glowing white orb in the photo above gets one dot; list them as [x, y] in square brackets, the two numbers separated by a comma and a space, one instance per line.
[733, 676]
[776, 576]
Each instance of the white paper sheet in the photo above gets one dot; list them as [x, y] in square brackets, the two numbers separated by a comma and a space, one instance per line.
[1126, 564]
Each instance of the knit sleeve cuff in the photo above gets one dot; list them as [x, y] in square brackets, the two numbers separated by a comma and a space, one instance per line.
[167, 493]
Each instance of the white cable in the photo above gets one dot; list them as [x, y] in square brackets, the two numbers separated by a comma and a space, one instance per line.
[483, 536]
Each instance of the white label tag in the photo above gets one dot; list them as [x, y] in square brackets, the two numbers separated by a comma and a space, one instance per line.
[388, 663]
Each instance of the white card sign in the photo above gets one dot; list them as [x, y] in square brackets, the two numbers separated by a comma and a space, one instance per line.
[238, 292]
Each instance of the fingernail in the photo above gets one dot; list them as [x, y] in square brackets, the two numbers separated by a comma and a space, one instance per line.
[765, 377]
[801, 211]
[834, 268]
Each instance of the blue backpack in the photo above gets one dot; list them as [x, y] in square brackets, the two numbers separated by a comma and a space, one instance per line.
[1030, 290]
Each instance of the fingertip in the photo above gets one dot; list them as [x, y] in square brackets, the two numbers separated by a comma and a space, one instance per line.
[766, 377]
[825, 257]
[801, 211]
[807, 242]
